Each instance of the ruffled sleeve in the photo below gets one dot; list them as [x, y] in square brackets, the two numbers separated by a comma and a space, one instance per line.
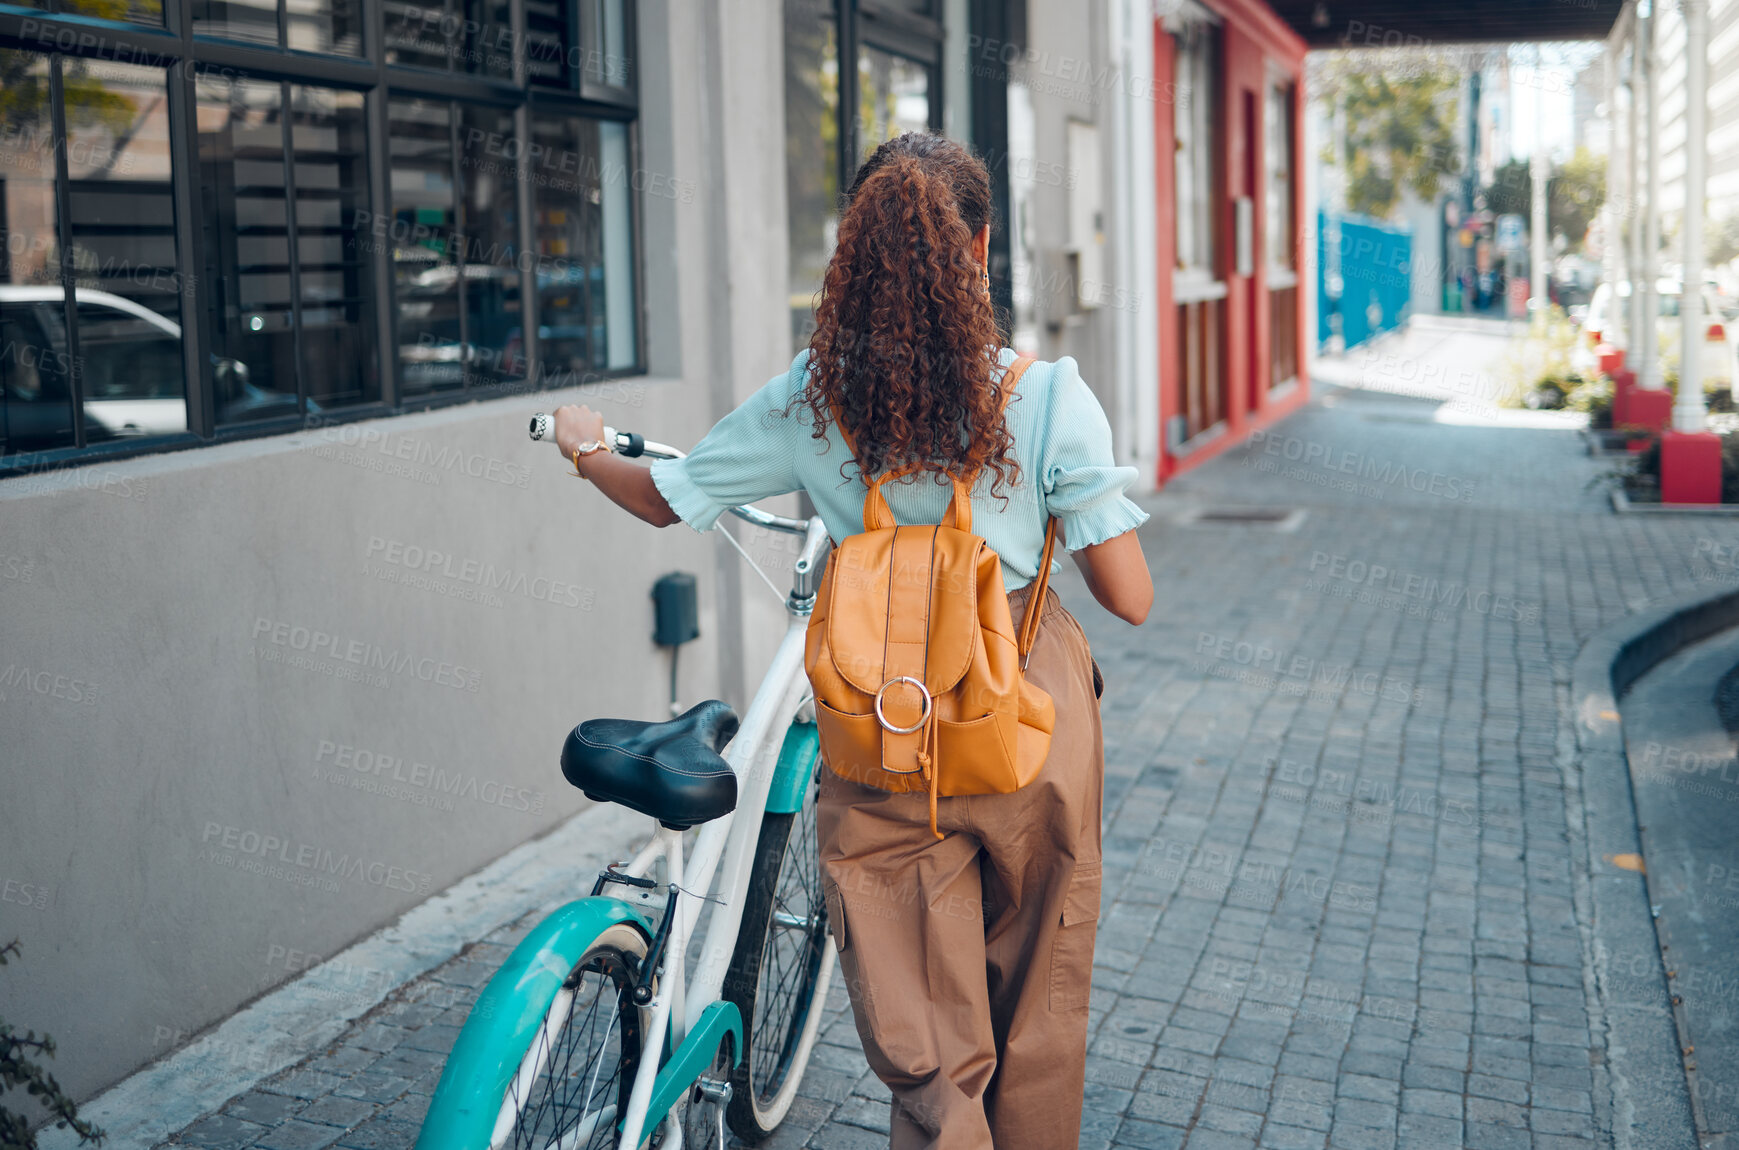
[1084, 487]
[749, 455]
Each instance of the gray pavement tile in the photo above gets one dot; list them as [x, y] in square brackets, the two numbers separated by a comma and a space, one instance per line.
[302, 1083]
[826, 1085]
[1481, 1136]
[1143, 1135]
[335, 1111]
[298, 1135]
[220, 1130]
[1358, 1112]
[1204, 1139]
[380, 1134]
[1276, 1136]
[1231, 1120]
[1162, 1108]
[1351, 1136]
[370, 1086]
[839, 1136]
[1428, 1130]
[1561, 1122]
[265, 1109]
[1368, 1088]
[864, 1112]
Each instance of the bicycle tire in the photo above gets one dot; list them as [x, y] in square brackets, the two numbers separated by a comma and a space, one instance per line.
[591, 1040]
[780, 970]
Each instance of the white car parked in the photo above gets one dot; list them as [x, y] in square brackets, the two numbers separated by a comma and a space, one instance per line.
[1719, 350]
[132, 370]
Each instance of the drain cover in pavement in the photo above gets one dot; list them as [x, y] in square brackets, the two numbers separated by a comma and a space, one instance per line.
[1273, 518]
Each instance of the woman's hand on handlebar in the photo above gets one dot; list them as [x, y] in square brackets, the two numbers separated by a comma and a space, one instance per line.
[575, 423]
[625, 482]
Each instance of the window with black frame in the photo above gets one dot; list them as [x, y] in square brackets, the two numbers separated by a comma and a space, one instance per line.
[288, 293]
[830, 128]
[114, 348]
[581, 202]
[508, 235]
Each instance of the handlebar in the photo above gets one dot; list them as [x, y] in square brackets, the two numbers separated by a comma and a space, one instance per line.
[634, 446]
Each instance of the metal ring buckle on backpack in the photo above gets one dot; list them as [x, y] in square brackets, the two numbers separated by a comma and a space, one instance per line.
[922, 690]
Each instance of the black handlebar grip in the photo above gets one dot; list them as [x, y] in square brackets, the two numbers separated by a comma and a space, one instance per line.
[635, 446]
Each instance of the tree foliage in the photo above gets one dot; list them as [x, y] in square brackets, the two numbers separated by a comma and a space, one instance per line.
[1400, 128]
[19, 1071]
[1575, 192]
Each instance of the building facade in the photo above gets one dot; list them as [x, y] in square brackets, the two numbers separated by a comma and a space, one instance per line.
[295, 618]
[1233, 256]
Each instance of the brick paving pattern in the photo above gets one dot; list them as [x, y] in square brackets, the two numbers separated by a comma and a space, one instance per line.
[1344, 886]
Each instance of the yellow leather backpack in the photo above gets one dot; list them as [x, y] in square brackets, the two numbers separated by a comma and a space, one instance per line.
[913, 656]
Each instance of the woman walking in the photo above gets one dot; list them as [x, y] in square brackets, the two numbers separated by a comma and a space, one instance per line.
[967, 951]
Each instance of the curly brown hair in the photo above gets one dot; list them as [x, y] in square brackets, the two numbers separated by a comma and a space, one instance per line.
[905, 344]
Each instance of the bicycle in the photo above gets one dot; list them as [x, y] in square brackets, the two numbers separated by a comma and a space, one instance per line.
[554, 1053]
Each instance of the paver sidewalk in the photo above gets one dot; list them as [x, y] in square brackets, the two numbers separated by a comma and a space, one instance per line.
[1345, 894]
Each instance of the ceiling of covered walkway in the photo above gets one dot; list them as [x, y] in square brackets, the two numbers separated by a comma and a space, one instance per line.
[1401, 23]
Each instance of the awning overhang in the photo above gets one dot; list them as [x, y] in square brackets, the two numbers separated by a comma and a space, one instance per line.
[1408, 23]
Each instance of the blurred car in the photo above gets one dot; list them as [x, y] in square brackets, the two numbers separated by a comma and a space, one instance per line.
[132, 370]
[1720, 352]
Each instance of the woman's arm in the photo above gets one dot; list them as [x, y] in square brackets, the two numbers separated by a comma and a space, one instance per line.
[1116, 573]
[627, 484]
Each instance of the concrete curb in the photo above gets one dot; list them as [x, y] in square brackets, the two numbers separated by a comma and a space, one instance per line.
[1624, 505]
[1651, 1104]
[313, 1010]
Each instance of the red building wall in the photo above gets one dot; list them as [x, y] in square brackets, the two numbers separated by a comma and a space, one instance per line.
[1253, 39]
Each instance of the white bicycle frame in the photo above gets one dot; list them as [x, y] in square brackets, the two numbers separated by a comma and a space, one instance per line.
[723, 849]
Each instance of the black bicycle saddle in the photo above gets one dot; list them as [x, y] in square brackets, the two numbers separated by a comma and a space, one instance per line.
[670, 770]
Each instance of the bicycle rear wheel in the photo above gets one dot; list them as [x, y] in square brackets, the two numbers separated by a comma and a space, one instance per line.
[780, 970]
[574, 1079]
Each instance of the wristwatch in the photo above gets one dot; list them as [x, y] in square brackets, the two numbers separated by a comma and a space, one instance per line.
[589, 447]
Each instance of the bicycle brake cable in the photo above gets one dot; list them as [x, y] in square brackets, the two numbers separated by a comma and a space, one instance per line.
[753, 566]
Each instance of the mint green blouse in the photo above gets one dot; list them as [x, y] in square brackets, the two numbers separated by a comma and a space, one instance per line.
[1061, 441]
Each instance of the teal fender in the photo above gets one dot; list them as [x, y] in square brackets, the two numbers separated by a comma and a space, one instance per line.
[796, 767]
[717, 1022]
[507, 1014]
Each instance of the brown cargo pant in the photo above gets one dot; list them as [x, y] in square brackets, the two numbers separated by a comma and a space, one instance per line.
[969, 960]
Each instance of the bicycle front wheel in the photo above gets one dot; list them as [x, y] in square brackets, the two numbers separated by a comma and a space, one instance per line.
[781, 968]
[574, 1079]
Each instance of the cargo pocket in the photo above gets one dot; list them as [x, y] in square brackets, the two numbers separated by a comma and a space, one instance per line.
[835, 914]
[1072, 950]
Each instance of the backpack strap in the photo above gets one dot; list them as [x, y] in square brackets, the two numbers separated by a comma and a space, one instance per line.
[876, 514]
[1029, 624]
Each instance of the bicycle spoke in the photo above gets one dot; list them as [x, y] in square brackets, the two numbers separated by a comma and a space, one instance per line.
[573, 1103]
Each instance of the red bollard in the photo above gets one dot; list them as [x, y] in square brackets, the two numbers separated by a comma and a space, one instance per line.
[1623, 382]
[1690, 467]
[1650, 408]
[1610, 357]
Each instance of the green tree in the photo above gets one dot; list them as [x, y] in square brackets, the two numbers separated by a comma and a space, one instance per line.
[1575, 192]
[1400, 128]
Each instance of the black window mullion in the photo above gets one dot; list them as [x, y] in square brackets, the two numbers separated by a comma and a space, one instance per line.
[847, 135]
[528, 249]
[381, 259]
[459, 214]
[290, 240]
[634, 238]
[283, 23]
[516, 25]
[63, 234]
[190, 250]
